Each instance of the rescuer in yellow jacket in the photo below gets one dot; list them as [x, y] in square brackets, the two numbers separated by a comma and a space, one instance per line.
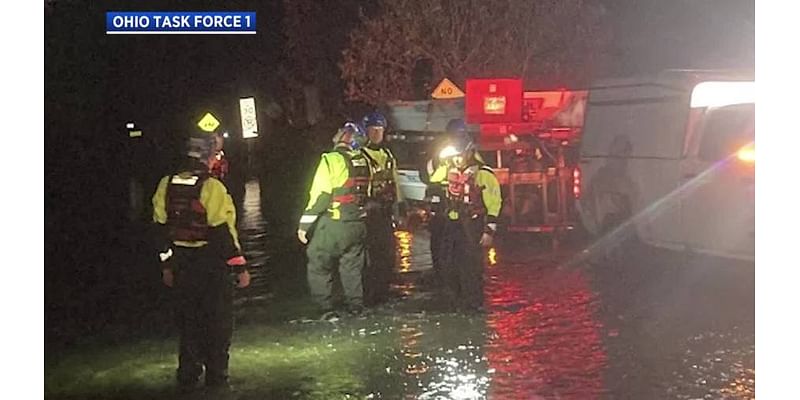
[384, 206]
[471, 205]
[333, 223]
[197, 222]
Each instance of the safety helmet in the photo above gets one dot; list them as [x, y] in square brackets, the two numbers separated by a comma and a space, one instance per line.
[374, 119]
[359, 137]
[456, 126]
[201, 146]
[460, 138]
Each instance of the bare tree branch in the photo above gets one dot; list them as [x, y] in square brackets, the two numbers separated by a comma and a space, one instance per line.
[540, 41]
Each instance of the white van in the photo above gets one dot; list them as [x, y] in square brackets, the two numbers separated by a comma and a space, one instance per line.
[672, 156]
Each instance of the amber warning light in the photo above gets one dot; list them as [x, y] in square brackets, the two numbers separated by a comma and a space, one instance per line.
[576, 183]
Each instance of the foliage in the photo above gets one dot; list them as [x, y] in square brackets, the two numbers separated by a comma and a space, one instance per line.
[546, 42]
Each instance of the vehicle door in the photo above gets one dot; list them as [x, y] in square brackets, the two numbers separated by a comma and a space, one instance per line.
[718, 201]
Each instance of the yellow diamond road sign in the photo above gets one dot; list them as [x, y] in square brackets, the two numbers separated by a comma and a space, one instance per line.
[447, 90]
[208, 123]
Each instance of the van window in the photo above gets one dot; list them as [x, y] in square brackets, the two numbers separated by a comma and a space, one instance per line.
[726, 130]
[652, 119]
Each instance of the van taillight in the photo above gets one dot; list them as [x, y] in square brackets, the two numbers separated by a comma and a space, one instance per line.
[747, 153]
[494, 105]
[576, 182]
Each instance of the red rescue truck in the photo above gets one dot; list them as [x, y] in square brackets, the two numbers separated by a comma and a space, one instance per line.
[530, 138]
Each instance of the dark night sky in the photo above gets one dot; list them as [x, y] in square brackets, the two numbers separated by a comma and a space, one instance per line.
[150, 77]
[657, 34]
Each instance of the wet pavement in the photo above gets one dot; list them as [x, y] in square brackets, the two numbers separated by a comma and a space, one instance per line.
[649, 325]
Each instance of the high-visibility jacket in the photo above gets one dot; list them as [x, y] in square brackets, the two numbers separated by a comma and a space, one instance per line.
[472, 190]
[209, 194]
[383, 181]
[340, 187]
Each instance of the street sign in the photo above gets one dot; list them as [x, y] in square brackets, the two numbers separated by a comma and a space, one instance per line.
[208, 123]
[247, 108]
[446, 89]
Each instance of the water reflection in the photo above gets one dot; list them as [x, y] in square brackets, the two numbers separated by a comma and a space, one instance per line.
[443, 357]
[404, 243]
[252, 225]
[253, 230]
[716, 365]
[544, 336]
[540, 337]
[492, 257]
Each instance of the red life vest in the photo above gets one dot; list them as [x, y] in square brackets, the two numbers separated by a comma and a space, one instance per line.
[219, 168]
[463, 195]
[352, 195]
[186, 215]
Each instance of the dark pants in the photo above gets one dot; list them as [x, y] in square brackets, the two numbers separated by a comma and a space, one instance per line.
[337, 243]
[436, 229]
[461, 259]
[380, 256]
[204, 313]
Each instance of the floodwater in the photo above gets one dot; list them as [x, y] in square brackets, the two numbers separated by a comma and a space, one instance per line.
[639, 329]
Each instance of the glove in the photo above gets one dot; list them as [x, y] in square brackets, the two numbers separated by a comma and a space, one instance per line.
[167, 276]
[488, 234]
[301, 235]
[238, 265]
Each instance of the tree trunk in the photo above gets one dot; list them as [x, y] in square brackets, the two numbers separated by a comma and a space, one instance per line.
[313, 104]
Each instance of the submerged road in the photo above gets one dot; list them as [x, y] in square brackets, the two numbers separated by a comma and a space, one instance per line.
[646, 325]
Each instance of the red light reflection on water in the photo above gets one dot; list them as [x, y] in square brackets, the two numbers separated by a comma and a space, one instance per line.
[544, 338]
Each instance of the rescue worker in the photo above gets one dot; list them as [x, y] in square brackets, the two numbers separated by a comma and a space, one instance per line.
[200, 255]
[472, 205]
[217, 163]
[333, 224]
[383, 206]
[435, 193]
[219, 167]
